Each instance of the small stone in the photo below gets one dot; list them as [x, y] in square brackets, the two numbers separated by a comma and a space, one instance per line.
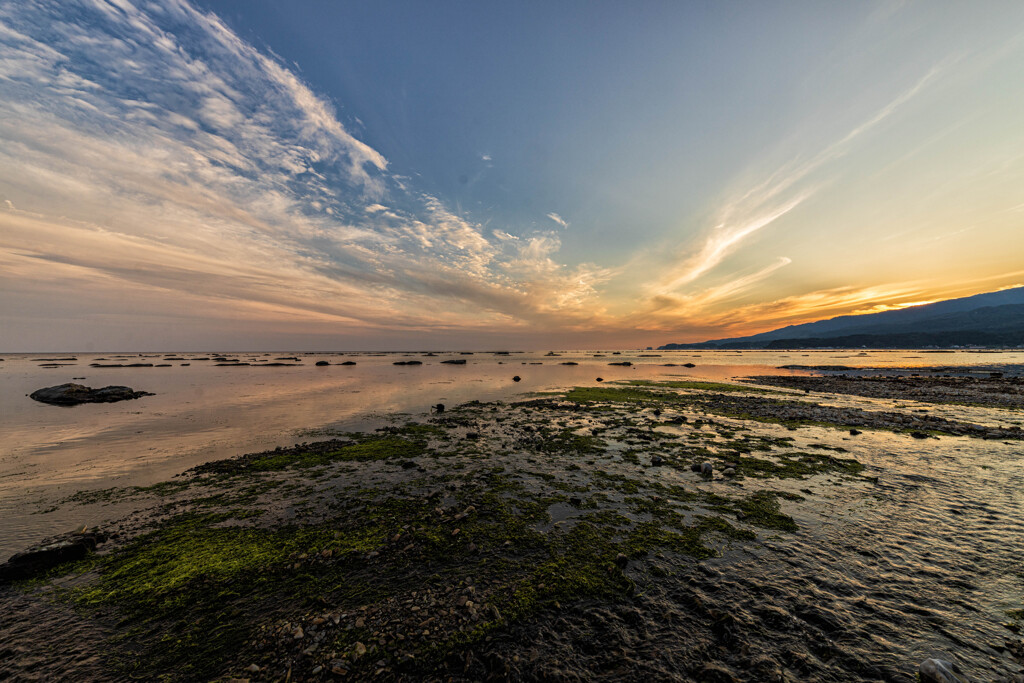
[621, 560]
[297, 634]
[939, 671]
[729, 471]
[317, 670]
[855, 432]
[359, 650]
[360, 622]
[253, 668]
[599, 379]
[707, 469]
[517, 378]
[656, 461]
[455, 532]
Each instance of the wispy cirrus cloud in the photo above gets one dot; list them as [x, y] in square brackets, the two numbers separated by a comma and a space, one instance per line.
[748, 211]
[155, 148]
[558, 219]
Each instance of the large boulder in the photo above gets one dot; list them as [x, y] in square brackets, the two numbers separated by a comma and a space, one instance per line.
[72, 394]
[45, 556]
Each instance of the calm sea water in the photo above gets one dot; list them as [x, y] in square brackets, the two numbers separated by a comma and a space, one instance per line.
[202, 412]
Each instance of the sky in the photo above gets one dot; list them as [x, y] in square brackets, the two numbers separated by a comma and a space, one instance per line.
[316, 175]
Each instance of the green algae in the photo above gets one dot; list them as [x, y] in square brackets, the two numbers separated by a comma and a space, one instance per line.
[192, 590]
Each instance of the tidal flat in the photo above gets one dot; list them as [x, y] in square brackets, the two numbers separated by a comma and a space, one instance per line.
[664, 530]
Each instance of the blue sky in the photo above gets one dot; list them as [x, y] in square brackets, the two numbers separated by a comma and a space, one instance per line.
[394, 175]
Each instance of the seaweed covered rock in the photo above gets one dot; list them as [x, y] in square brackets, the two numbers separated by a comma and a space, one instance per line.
[71, 394]
[45, 556]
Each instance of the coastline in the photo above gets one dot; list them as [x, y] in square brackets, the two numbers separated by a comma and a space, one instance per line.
[498, 539]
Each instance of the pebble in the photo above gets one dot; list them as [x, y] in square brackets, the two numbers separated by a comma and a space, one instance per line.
[359, 649]
[253, 668]
[707, 469]
[939, 671]
[656, 461]
[729, 471]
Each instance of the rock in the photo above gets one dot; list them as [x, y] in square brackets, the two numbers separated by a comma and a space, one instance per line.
[656, 461]
[455, 361]
[729, 472]
[253, 668]
[695, 467]
[715, 673]
[439, 408]
[624, 363]
[321, 363]
[707, 469]
[689, 365]
[408, 362]
[348, 362]
[72, 394]
[855, 432]
[517, 378]
[40, 558]
[621, 560]
[569, 362]
[939, 671]
[920, 435]
[599, 379]
[358, 650]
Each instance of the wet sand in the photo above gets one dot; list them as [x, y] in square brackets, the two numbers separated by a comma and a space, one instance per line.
[564, 536]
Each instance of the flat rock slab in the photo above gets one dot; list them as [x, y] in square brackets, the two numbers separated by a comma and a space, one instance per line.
[72, 394]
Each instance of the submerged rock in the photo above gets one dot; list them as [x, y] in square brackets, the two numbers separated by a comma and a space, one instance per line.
[408, 362]
[45, 556]
[939, 671]
[71, 394]
[321, 363]
[348, 362]
[454, 361]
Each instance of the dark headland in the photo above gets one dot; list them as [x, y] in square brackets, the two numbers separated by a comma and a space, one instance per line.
[993, 320]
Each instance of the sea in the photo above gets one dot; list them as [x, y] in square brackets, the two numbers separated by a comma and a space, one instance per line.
[205, 409]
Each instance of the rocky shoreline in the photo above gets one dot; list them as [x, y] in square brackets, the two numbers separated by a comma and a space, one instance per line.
[994, 388]
[594, 534]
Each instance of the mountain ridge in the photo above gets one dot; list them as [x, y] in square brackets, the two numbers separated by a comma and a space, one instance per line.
[989, 319]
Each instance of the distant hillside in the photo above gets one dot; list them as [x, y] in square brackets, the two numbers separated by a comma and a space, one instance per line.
[994, 319]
